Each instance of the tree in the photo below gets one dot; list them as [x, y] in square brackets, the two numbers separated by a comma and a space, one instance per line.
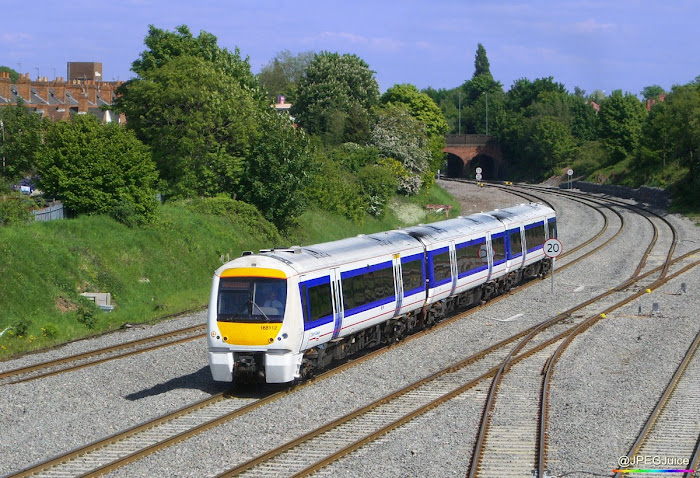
[424, 109]
[164, 46]
[398, 135]
[482, 81]
[481, 62]
[621, 119]
[524, 92]
[14, 76]
[420, 105]
[98, 169]
[652, 92]
[277, 170]
[20, 141]
[198, 122]
[334, 98]
[553, 142]
[282, 74]
[683, 104]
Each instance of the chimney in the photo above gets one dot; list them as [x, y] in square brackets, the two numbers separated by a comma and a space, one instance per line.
[82, 103]
[5, 84]
[92, 91]
[42, 88]
[106, 93]
[24, 87]
[74, 88]
[59, 89]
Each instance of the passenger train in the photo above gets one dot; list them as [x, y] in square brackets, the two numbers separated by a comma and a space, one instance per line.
[284, 314]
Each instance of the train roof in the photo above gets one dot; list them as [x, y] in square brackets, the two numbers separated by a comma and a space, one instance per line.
[521, 212]
[452, 228]
[329, 254]
[302, 259]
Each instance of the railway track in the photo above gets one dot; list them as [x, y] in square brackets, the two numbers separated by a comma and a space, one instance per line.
[672, 432]
[94, 357]
[496, 442]
[103, 455]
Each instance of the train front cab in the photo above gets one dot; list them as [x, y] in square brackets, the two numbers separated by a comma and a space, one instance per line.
[251, 331]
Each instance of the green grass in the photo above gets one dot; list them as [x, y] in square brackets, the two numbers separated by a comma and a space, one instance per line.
[151, 272]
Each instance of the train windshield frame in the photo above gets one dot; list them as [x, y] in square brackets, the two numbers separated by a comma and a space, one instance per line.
[251, 300]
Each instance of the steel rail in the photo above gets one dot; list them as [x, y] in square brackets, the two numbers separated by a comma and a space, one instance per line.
[674, 231]
[479, 446]
[488, 409]
[550, 365]
[643, 434]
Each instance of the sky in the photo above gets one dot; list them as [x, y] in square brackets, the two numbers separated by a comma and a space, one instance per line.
[595, 45]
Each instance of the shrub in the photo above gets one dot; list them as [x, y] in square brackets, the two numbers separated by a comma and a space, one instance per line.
[49, 331]
[86, 314]
[21, 327]
[378, 184]
[14, 211]
[242, 214]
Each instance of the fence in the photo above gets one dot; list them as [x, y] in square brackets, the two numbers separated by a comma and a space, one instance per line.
[51, 213]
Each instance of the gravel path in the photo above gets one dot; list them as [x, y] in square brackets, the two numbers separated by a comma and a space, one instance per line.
[597, 407]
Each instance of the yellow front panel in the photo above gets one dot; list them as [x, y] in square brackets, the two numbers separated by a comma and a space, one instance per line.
[248, 334]
[254, 272]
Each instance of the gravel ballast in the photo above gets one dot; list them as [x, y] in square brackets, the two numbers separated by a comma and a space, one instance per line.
[605, 384]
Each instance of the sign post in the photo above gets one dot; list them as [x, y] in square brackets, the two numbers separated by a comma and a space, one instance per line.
[570, 173]
[552, 248]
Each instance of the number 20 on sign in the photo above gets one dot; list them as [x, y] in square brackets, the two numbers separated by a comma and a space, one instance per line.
[552, 248]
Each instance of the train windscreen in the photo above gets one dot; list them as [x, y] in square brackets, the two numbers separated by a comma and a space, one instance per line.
[251, 299]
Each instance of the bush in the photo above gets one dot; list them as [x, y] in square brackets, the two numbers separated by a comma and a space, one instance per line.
[21, 327]
[243, 215]
[14, 211]
[86, 315]
[334, 189]
[378, 184]
[49, 331]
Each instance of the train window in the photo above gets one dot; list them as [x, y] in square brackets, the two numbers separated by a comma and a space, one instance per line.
[470, 256]
[320, 302]
[251, 299]
[534, 236]
[552, 226]
[365, 286]
[441, 267]
[413, 276]
[499, 249]
[516, 245]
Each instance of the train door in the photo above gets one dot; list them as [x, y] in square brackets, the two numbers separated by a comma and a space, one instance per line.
[398, 282]
[337, 296]
[453, 266]
[486, 252]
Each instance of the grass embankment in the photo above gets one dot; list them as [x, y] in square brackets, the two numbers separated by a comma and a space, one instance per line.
[151, 272]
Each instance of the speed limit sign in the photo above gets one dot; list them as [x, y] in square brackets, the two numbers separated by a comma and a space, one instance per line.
[552, 248]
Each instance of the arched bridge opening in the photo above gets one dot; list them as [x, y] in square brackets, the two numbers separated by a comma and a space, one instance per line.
[466, 152]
